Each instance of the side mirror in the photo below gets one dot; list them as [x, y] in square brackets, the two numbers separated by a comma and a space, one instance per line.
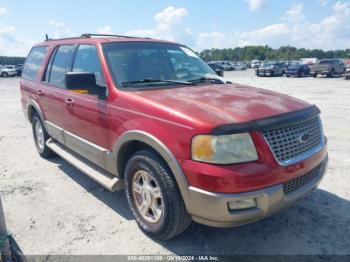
[84, 83]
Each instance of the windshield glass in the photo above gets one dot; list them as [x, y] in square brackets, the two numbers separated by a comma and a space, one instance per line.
[131, 63]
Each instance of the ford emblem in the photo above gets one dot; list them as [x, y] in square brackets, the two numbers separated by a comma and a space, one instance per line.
[304, 138]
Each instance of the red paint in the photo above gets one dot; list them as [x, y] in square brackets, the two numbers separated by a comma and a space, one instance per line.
[174, 116]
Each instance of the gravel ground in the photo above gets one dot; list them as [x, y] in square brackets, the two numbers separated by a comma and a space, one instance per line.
[52, 208]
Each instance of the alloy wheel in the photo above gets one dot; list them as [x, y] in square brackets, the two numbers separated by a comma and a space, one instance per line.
[147, 196]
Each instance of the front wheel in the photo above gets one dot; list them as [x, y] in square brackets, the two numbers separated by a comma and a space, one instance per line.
[154, 197]
[4, 74]
[331, 74]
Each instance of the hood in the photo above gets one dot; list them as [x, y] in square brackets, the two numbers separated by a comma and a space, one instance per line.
[220, 104]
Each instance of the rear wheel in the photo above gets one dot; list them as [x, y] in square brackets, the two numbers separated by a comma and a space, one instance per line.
[154, 197]
[4, 74]
[314, 75]
[40, 137]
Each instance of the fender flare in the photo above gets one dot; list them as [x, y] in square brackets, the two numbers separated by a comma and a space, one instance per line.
[165, 153]
[34, 104]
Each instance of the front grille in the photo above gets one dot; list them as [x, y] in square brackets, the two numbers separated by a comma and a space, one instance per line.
[286, 144]
[298, 182]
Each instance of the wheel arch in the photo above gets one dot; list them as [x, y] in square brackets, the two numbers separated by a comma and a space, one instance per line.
[125, 147]
[33, 107]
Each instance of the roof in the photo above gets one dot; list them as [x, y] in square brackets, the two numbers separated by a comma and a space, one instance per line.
[100, 38]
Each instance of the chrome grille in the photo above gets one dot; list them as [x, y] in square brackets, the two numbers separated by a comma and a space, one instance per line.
[298, 182]
[286, 144]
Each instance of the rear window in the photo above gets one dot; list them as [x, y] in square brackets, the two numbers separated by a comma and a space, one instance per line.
[57, 70]
[33, 62]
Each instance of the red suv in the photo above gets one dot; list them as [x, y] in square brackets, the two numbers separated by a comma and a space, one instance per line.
[151, 117]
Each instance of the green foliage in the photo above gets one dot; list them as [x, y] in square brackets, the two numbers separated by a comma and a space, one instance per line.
[248, 53]
[11, 60]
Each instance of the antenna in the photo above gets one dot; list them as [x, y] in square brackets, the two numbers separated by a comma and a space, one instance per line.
[46, 37]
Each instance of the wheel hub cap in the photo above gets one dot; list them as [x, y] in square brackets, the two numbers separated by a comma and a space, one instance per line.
[39, 134]
[147, 196]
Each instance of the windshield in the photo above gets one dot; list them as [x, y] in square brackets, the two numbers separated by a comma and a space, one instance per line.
[143, 64]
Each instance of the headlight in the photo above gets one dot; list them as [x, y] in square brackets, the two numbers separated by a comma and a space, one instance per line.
[225, 149]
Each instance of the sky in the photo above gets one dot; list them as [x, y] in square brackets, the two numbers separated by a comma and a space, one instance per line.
[323, 24]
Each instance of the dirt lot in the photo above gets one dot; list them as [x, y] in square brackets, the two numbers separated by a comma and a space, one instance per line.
[52, 208]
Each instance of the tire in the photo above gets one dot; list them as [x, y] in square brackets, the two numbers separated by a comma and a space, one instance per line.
[41, 147]
[331, 74]
[4, 74]
[301, 74]
[287, 75]
[272, 73]
[174, 218]
[314, 75]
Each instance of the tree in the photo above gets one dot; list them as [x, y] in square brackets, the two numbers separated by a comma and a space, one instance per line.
[268, 53]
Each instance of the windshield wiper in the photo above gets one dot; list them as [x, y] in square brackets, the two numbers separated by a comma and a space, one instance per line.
[152, 80]
[205, 78]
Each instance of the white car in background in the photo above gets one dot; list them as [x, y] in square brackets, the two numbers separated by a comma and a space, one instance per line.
[255, 64]
[239, 66]
[226, 65]
[6, 72]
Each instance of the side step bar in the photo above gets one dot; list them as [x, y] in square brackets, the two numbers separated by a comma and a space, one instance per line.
[107, 180]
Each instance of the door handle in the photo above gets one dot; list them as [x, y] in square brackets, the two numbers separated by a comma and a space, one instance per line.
[69, 101]
[40, 92]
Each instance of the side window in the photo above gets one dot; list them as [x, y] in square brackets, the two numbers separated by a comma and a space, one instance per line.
[87, 60]
[33, 62]
[60, 65]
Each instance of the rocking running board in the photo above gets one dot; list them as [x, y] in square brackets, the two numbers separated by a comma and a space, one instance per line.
[107, 180]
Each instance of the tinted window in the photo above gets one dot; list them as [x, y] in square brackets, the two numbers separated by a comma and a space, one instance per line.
[86, 60]
[33, 62]
[60, 65]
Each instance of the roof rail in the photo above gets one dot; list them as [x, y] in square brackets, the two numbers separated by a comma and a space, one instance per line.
[88, 35]
[64, 38]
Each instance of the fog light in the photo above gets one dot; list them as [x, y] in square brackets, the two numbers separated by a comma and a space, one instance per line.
[242, 204]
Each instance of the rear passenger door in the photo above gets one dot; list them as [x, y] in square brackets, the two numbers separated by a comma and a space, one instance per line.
[86, 114]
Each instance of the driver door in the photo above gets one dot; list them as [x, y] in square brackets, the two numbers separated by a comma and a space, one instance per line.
[87, 115]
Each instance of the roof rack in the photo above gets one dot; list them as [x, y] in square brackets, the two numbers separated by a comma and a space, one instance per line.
[88, 35]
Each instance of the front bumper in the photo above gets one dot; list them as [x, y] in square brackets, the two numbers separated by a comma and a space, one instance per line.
[212, 208]
[264, 72]
[292, 73]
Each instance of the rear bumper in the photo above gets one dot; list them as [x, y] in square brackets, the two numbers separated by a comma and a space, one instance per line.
[212, 208]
